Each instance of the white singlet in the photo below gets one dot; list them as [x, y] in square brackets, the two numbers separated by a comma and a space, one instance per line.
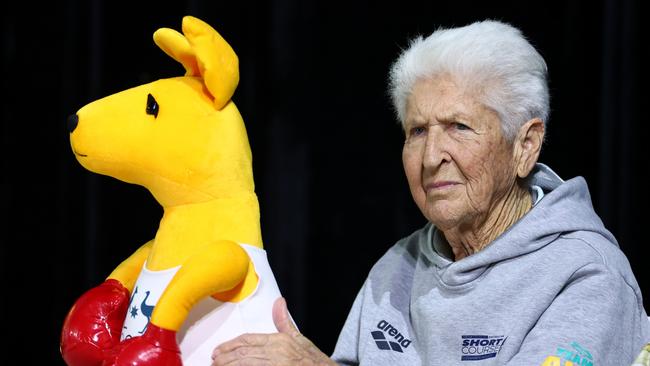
[210, 322]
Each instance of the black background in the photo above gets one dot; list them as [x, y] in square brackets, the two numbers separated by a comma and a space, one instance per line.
[326, 147]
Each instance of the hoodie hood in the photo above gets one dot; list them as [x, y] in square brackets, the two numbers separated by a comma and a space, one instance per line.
[566, 207]
[553, 287]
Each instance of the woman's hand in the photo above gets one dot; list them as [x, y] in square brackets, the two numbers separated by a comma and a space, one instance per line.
[288, 347]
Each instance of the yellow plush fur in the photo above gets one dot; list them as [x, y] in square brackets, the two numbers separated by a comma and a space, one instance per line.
[193, 155]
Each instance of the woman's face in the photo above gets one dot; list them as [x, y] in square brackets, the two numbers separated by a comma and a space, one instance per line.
[457, 161]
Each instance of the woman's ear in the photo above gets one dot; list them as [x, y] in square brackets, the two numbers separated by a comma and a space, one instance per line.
[528, 145]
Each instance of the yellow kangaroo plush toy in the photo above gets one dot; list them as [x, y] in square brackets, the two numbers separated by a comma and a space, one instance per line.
[204, 278]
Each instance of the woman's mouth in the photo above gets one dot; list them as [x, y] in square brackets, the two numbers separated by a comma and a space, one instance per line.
[439, 185]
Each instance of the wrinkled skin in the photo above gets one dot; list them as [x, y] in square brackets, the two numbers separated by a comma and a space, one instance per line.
[462, 171]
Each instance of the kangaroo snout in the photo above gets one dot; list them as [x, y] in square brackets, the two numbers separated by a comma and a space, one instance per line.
[73, 120]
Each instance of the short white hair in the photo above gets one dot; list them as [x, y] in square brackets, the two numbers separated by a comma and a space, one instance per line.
[490, 59]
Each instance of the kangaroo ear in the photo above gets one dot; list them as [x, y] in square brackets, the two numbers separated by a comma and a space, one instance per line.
[217, 62]
[177, 47]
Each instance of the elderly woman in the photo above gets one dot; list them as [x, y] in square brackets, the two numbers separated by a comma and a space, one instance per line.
[514, 266]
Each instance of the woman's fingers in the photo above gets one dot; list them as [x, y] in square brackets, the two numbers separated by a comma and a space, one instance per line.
[288, 347]
[244, 340]
[242, 355]
[282, 319]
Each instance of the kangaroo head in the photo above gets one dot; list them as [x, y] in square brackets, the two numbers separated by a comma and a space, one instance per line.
[182, 138]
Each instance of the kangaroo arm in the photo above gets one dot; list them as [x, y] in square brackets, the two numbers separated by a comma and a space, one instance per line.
[127, 272]
[219, 267]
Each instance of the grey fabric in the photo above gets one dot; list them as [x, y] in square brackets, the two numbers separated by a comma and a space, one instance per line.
[555, 285]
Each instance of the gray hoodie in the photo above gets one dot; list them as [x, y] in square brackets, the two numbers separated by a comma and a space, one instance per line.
[554, 289]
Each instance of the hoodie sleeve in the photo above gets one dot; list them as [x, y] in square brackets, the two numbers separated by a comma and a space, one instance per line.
[597, 319]
[346, 351]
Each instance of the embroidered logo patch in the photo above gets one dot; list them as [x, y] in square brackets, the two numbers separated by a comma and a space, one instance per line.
[399, 342]
[480, 347]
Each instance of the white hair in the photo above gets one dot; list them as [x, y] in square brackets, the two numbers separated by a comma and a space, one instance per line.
[490, 59]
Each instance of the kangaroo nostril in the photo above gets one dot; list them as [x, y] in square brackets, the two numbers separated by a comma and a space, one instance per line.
[73, 120]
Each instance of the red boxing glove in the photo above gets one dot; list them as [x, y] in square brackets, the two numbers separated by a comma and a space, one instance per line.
[156, 347]
[94, 324]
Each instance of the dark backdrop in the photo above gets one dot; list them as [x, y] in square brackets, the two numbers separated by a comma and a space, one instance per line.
[326, 146]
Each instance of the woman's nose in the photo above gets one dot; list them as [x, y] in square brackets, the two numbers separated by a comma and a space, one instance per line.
[435, 151]
[73, 120]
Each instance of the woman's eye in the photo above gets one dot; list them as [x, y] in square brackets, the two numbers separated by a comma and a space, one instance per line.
[461, 127]
[416, 131]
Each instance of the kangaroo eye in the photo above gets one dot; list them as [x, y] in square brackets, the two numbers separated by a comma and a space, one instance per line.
[152, 106]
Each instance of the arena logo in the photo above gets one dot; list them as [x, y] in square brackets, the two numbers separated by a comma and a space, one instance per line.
[382, 343]
[480, 347]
